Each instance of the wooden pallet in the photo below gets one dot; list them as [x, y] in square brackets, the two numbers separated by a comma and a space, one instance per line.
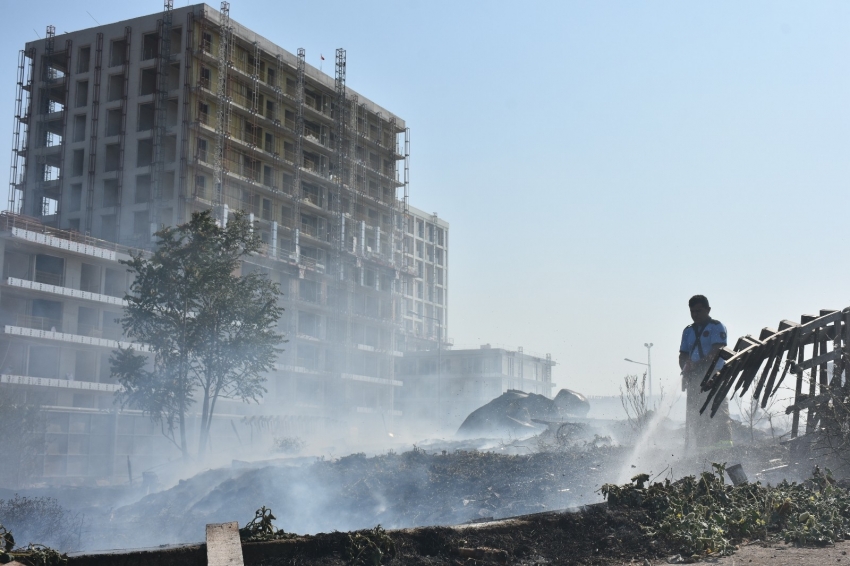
[793, 348]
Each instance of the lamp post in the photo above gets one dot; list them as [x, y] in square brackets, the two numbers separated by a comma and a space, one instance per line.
[439, 350]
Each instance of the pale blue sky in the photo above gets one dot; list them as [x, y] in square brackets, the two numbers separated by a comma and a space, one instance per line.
[599, 162]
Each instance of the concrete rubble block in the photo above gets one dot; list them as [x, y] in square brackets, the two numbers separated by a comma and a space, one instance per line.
[223, 545]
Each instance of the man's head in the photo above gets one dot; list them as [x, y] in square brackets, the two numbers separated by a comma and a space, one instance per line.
[699, 308]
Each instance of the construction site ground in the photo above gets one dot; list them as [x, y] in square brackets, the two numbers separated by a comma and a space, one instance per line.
[592, 536]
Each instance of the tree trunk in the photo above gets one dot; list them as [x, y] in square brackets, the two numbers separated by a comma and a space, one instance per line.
[184, 447]
[205, 425]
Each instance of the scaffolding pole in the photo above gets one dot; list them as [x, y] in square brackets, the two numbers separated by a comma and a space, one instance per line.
[122, 135]
[17, 167]
[299, 149]
[161, 113]
[182, 192]
[223, 123]
[62, 147]
[43, 173]
[95, 108]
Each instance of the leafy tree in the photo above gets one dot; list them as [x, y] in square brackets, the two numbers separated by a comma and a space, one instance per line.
[22, 437]
[211, 333]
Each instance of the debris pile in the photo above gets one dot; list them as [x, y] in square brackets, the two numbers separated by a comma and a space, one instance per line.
[520, 413]
[701, 515]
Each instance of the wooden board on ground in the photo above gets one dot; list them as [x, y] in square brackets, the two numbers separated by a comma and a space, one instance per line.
[223, 545]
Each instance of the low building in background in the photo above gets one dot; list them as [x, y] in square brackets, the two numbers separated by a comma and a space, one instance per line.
[442, 386]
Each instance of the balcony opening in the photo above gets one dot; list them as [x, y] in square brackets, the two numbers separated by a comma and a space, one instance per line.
[83, 59]
[169, 149]
[150, 46]
[77, 162]
[115, 90]
[204, 113]
[174, 76]
[113, 157]
[147, 84]
[80, 127]
[146, 117]
[88, 322]
[201, 150]
[115, 282]
[82, 94]
[44, 362]
[118, 53]
[205, 80]
[141, 225]
[171, 112]
[50, 270]
[110, 193]
[168, 185]
[75, 198]
[108, 227]
[90, 276]
[143, 189]
[144, 153]
[113, 122]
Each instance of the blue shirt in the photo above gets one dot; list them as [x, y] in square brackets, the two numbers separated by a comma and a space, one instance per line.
[711, 333]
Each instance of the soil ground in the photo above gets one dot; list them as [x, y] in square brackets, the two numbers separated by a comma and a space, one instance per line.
[591, 536]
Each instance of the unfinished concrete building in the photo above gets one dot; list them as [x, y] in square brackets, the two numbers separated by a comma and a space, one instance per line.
[426, 290]
[124, 128]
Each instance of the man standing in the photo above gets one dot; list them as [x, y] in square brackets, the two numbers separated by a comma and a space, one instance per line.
[700, 341]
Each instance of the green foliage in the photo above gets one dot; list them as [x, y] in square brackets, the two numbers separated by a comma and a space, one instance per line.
[41, 519]
[703, 515]
[211, 331]
[32, 555]
[22, 430]
[261, 528]
[7, 539]
[369, 548]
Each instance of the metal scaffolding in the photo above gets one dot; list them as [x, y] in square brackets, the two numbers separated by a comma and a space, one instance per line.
[95, 116]
[161, 113]
[122, 134]
[223, 111]
[20, 130]
[182, 189]
[297, 191]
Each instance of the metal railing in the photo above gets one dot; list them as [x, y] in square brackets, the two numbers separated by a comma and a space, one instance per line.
[39, 323]
[49, 278]
[10, 220]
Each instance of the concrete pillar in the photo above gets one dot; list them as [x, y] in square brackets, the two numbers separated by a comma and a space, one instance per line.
[274, 239]
[378, 240]
[362, 237]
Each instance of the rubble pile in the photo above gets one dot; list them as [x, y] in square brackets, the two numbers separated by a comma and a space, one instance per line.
[414, 488]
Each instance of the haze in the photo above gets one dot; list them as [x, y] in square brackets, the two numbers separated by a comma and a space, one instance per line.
[598, 162]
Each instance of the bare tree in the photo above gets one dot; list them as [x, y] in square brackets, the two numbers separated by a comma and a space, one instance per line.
[639, 408]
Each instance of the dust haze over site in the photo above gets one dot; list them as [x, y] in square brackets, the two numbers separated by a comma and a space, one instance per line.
[598, 164]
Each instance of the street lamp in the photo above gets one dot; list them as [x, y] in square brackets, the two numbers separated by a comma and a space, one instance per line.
[648, 365]
[439, 350]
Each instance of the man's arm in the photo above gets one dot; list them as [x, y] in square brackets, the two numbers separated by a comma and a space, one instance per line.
[683, 359]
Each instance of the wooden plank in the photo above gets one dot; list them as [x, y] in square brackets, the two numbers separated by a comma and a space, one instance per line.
[818, 322]
[774, 351]
[819, 359]
[766, 333]
[798, 392]
[223, 545]
[769, 386]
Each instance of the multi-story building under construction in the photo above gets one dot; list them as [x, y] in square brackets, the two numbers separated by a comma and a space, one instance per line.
[124, 128]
